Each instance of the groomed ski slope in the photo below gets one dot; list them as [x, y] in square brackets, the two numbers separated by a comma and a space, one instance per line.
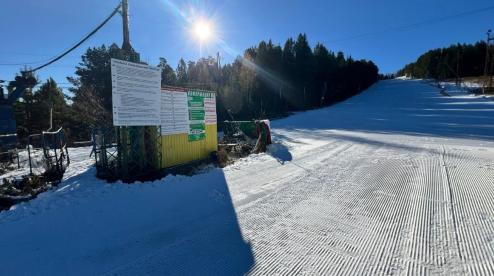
[398, 180]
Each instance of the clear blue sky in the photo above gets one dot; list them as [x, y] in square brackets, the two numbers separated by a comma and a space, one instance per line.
[34, 31]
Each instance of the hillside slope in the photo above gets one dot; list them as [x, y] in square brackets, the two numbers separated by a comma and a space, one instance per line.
[396, 180]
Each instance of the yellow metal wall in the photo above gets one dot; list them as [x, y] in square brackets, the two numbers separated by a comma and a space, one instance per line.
[177, 149]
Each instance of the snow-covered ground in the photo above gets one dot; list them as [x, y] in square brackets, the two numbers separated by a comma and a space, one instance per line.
[397, 180]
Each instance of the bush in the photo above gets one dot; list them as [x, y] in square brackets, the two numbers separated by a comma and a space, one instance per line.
[222, 157]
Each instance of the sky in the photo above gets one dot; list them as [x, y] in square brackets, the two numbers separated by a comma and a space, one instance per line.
[388, 32]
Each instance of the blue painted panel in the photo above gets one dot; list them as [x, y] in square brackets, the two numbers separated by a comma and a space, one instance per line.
[8, 128]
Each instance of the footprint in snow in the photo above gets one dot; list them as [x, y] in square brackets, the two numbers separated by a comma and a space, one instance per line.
[217, 195]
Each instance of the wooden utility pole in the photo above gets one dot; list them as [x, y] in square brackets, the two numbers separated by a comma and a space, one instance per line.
[489, 60]
[126, 52]
[126, 37]
[125, 134]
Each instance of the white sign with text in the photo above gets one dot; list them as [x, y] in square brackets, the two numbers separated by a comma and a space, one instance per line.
[136, 94]
[174, 115]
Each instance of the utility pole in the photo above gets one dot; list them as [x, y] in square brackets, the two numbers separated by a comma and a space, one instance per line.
[218, 59]
[281, 101]
[126, 52]
[457, 77]
[489, 60]
[449, 67]
[323, 93]
[458, 66]
[126, 36]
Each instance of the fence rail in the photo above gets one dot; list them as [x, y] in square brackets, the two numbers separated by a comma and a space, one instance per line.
[126, 153]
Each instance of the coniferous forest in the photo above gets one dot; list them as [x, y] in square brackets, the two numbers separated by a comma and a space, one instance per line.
[466, 60]
[267, 81]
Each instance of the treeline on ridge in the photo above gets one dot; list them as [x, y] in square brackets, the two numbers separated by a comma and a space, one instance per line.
[267, 81]
[466, 60]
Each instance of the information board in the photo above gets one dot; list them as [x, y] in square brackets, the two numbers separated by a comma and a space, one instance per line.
[196, 101]
[174, 116]
[187, 111]
[136, 94]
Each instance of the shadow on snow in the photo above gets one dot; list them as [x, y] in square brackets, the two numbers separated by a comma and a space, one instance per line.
[175, 226]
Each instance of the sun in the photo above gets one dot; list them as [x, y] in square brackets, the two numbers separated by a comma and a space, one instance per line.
[203, 31]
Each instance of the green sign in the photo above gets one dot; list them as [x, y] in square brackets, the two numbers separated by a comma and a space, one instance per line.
[196, 98]
[200, 94]
[197, 132]
[197, 114]
[195, 101]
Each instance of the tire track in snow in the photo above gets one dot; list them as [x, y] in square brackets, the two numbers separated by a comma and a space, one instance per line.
[269, 175]
[374, 212]
[353, 209]
[447, 182]
[298, 231]
[157, 260]
[371, 213]
[472, 185]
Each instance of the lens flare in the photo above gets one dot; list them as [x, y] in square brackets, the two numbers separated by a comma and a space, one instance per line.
[203, 31]
[199, 28]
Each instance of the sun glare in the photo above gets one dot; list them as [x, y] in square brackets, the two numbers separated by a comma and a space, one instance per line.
[203, 31]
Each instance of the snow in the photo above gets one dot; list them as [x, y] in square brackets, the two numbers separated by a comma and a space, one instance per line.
[396, 180]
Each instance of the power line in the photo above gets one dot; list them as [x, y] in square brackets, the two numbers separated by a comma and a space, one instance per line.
[17, 53]
[82, 41]
[11, 64]
[369, 35]
[35, 62]
[52, 56]
[27, 54]
[30, 54]
[16, 64]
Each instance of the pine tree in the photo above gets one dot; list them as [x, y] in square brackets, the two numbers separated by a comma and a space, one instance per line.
[44, 109]
[94, 74]
[168, 76]
[50, 96]
[434, 63]
[181, 73]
